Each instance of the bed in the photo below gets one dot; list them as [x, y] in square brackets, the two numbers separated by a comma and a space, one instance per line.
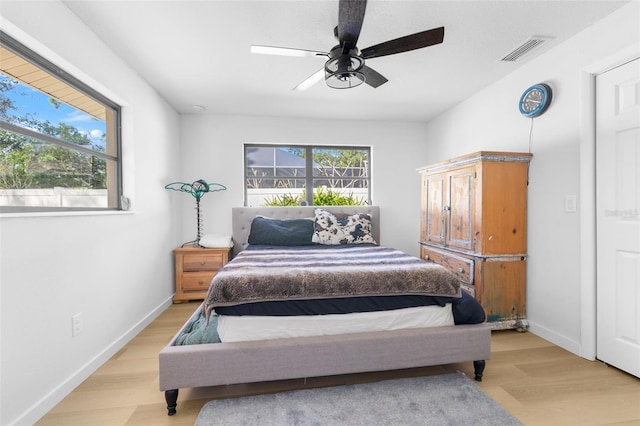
[280, 358]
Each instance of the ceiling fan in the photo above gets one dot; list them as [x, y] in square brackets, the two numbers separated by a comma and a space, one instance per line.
[345, 67]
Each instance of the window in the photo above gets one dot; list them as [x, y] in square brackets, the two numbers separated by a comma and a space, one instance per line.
[279, 175]
[59, 139]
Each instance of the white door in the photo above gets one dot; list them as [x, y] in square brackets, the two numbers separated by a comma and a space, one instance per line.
[618, 216]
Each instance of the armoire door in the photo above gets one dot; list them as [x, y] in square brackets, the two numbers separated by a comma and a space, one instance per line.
[618, 217]
[460, 208]
[433, 208]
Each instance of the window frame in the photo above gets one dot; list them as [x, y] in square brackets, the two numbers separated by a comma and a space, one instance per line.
[113, 119]
[309, 166]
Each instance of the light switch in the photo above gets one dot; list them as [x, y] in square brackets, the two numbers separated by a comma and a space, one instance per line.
[570, 204]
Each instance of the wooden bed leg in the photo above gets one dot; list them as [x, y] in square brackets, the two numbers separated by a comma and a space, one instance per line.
[478, 369]
[171, 396]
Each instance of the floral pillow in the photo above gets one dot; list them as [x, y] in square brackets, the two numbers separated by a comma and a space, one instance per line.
[336, 229]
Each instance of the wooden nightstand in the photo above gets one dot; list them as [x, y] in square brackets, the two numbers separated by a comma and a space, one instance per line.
[195, 267]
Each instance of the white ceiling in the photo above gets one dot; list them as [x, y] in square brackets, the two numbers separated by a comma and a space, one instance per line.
[197, 52]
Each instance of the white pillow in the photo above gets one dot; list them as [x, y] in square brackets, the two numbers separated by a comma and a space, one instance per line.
[216, 241]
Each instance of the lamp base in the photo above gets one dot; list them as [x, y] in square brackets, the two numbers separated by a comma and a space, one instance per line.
[194, 243]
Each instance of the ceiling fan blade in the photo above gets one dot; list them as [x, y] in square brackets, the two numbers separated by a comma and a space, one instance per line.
[405, 44]
[311, 80]
[285, 51]
[372, 77]
[350, 18]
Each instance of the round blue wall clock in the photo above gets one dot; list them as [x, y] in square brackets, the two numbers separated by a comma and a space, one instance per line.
[535, 100]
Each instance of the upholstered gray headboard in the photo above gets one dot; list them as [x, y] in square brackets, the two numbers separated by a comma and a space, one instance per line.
[242, 217]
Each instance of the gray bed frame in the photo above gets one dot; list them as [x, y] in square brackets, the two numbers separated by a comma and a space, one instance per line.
[248, 362]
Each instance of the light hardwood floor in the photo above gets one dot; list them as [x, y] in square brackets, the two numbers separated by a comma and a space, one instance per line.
[536, 381]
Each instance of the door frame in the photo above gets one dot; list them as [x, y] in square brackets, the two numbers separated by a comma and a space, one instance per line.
[587, 200]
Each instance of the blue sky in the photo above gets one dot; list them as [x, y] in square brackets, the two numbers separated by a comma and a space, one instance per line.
[26, 99]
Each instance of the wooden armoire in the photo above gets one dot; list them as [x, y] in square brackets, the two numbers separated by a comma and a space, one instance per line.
[474, 222]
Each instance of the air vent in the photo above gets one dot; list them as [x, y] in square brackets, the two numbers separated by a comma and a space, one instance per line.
[525, 47]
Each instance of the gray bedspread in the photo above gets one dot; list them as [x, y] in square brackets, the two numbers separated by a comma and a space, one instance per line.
[313, 272]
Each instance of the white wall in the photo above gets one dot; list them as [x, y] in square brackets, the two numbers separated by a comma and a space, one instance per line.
[490, 121]
[116, 269]
[213, 150]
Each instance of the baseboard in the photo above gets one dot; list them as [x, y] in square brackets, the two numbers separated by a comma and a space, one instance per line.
[44, 405]
[555, 338]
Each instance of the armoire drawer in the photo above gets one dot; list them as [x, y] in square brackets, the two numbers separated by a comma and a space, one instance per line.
[469, 288]
[462, 267]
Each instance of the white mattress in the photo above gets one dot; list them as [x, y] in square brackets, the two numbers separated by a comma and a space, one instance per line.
[251, 328]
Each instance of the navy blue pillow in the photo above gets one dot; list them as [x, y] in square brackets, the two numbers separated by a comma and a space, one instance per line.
[467, 310]
[276, 232]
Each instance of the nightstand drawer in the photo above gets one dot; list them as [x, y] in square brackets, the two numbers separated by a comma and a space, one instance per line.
[202, 262]
[196, 281]
[460, 266]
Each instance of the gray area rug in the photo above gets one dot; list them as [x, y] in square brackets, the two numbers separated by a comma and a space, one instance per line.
[449, 399]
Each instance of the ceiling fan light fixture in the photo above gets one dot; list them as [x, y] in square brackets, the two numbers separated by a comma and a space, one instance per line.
[344, 80]
[344, 70]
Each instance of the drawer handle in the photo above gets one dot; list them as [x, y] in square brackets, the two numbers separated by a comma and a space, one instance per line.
[200, 282]
[202, 262]
[426, 257]
[460, 269]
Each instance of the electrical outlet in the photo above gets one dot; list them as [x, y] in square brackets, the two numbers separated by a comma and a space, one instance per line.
[77, 324]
